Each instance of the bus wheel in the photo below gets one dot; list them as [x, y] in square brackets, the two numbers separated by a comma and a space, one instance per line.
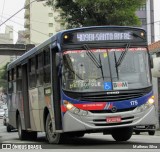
[9, 128]
[122, 134]
[152, 132]
[21, 133]
[79, 134]
[137, 132]
[51, 136]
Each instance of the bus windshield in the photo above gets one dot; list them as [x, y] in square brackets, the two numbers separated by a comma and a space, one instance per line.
[97, 70]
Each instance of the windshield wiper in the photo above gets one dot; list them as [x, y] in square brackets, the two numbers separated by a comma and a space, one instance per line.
[118, 63]
[115, 59]
[98, 63]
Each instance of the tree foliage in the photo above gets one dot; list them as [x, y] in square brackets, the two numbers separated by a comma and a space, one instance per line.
[79, 13]
[3, 77]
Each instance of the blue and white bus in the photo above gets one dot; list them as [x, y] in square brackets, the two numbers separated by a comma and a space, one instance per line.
[84, 80]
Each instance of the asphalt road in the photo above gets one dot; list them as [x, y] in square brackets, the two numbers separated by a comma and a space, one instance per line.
[90, 142]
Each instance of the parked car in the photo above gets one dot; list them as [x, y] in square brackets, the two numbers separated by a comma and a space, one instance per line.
[9, 128]
[5, 117]
[3, 107]
[150, 129]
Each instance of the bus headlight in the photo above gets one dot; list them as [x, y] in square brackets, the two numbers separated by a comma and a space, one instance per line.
[74, 109]
[68, 105]
[147, 105]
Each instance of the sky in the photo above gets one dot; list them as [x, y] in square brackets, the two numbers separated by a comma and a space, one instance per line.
[7, 9]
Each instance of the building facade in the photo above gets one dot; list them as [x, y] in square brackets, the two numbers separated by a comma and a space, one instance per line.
[41, 22]
[150, 18]
[6, 38]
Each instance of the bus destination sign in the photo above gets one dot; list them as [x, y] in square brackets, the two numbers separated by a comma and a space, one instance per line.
[97, 36]
[103, 36]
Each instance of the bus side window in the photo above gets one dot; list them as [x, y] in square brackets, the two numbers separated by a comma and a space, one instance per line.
[40, 72]
[10, 84]
[32, 72]
[19, 78]
[14, 80]
[47, 71]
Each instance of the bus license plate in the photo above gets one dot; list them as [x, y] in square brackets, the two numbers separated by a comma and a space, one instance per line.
[113, 119]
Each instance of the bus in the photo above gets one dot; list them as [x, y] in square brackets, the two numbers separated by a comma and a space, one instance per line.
[85, 80]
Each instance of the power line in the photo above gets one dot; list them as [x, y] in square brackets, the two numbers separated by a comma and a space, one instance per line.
[16, 13]
[3, 9]
[18, 32]
[4, 16]
[30, 28]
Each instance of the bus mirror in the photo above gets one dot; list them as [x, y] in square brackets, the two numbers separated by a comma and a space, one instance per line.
[156, 69]
[151, 61]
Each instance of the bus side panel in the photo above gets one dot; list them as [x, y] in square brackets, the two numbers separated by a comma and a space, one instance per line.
[42, 105]
[19, 103]
[25, 95]
[34, 110]
[12, 110]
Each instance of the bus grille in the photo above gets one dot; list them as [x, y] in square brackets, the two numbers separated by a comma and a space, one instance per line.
[109, 111]
[109, 96]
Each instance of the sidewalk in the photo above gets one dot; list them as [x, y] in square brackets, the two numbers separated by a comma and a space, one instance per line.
[157, 133]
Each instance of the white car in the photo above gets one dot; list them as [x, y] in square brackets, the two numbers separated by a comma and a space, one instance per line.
[3, 107]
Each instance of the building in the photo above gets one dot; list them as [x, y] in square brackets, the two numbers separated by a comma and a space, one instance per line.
[150, 17]
[145, 14]
[21, 37]
[6, 38]
[41, 22]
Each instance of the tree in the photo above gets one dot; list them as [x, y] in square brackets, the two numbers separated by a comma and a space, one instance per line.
[79, 13]
[3, 77]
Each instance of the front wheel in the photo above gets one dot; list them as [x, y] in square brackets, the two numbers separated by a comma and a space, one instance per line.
[51, 136]
[24, 134]
[137, 132]
[152, 132]
[122, 134]
[9, 128]
[21, 133]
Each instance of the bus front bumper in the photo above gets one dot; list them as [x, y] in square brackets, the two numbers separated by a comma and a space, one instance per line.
[97, 121]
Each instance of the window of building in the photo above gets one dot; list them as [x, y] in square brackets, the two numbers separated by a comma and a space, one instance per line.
[50, 14]
[50, 24]
[143, 21]
[142, 8]
[50, 34]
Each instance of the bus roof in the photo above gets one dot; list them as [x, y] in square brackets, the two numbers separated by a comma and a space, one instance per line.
[57, 38]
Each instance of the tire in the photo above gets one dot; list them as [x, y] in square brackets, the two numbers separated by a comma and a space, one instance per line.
[80, 134]
[21, 133]
[53, 138]
[9, 128]
[122, 134]
[137, 132]
[152, 132]
[75, 134]
[4, 123]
